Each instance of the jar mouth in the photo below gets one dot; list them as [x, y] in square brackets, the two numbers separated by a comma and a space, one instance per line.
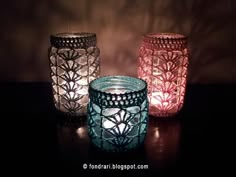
[118, 85]
[73, 40]
[165, 36]
[74, 35]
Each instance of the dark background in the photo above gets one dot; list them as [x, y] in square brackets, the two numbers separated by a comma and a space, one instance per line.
[199, 140]
[210, 26]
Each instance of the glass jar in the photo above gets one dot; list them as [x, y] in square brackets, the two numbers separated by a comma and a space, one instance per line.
[117, 112]
[163, 63]
[74, 63]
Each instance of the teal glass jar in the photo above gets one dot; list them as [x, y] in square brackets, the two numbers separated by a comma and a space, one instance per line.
[117, 112]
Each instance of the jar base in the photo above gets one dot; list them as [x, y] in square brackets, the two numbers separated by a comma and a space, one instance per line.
[162, 114]
[153, 111]
[118, 150]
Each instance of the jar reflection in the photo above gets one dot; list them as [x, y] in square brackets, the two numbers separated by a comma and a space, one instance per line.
[73, 142]
[162, 143]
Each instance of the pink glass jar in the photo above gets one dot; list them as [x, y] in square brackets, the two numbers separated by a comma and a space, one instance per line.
[163, 63]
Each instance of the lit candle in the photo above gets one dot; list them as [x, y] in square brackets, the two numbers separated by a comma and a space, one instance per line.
[155, 98]
[163, 62]
[74, 62]
[82, 87]
[160, 100]
[109, 124]
[118, 129]
[117, 112]
[118, 123]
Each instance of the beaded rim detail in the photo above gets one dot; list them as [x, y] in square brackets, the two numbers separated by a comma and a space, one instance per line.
[130, 98]
[73, 40]
[165, 40]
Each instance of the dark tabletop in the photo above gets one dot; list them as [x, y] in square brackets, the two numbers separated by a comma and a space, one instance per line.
[39, 139]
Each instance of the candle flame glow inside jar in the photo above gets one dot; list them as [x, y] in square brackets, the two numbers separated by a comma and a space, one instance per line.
[163, 62]
[120, 129]
[74, 63]
[117, 112]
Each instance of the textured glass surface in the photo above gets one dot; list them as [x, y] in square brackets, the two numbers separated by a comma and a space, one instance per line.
[74, 63]
[163, 62]
[117, 112]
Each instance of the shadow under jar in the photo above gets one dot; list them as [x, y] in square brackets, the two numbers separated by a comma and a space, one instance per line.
[163, 63]
[117, 113]
[74, 63]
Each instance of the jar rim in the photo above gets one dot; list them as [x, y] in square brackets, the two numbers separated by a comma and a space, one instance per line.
[73, 35]
[165, 36]
[73, 40]
[142, 85]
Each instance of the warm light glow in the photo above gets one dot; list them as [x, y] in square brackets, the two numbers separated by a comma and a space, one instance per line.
[81, 132]
[72, 94]
[109, 124]
[163, 61]
[161, 100]
[81, 90]
[116, 90]
[155, 98]
[74, 61]
[119, 128]
[71, 84]
[157, 134]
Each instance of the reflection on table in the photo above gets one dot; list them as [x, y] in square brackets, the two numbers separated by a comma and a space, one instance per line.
[160, 150]
[162, 142]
